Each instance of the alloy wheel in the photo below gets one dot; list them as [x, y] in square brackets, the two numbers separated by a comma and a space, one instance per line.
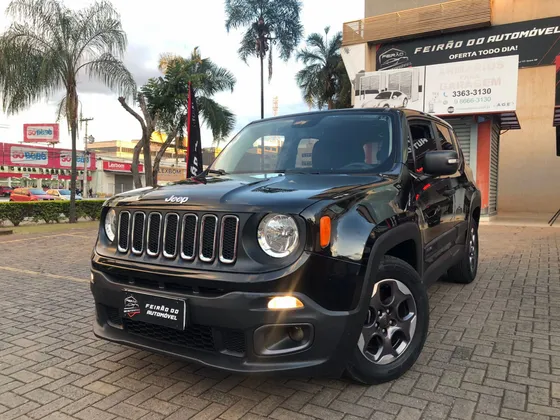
[473, 250]
[390, 324]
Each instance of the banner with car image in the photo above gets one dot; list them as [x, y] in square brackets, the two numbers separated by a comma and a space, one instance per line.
[467, 87]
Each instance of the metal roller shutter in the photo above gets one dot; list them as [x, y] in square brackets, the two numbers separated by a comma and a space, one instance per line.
[494, 161]
[462, 129]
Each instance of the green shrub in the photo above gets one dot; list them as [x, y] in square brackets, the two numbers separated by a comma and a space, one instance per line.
[48, 211]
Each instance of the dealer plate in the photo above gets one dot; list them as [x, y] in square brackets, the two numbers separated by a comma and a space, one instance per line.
[157, 310]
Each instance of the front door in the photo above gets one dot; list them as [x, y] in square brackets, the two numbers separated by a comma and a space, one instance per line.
[433, 195]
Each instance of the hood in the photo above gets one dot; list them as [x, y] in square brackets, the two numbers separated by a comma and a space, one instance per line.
[291, 193]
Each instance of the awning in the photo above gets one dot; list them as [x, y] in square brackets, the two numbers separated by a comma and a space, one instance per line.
[509, 121]
[556, 121]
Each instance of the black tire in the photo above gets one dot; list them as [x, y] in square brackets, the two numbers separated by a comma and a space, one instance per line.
[465, 271]
[364, 370]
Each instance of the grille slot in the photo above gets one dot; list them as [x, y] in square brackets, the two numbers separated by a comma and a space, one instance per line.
[188, 238]
[154, 234]
[208, 231]
[228, 239]
[138, 230]
[195, 336]
[170, 234]
[124, 230]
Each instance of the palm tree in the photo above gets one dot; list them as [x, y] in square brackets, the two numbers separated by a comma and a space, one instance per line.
[207, 79]
[49, 47]
[323, 80]
[269, 23]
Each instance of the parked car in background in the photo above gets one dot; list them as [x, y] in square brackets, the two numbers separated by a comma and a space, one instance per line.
[30, 194]
[388, 99]
[5, 191]
[61, 194]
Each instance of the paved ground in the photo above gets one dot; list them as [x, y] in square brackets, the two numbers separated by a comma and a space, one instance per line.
[493, 350]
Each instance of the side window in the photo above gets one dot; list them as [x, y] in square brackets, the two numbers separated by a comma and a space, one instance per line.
[423, 140]
[445, 138]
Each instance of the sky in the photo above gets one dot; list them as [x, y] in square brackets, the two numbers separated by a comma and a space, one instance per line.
[155, 27]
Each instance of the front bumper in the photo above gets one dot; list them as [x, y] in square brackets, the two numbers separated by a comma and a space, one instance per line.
[225, 330]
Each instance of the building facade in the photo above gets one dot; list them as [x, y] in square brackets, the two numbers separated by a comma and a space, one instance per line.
[489, 67]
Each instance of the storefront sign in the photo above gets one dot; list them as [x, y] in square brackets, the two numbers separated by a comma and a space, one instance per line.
[470, 87]
[535, 42]
[120, 167]
[171, 174]
[28, 156]
[40, 133]
[467, 87]
[47, 157]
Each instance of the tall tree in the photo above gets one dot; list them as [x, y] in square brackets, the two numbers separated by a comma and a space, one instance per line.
[208, 79]
[269, 23]
[323, 80]
[48, 47]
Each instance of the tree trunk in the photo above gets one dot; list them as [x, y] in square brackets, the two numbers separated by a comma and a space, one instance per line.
[135, 164]
[330, 103]
[72, 106]
[262, 79]
[136, 179]
[170, 137]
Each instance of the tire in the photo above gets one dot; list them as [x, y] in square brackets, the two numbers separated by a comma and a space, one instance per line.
[465, 271]
[392, 275]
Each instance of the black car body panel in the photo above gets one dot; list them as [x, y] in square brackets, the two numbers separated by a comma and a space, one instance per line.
[419, 218]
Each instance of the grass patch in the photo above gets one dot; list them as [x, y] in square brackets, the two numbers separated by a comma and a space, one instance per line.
[53, 228]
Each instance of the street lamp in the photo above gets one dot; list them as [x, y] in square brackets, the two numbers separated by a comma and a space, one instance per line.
[87, 140]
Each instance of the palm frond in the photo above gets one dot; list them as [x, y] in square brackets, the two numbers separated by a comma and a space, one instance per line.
[240, 13]
[248, 45]
[219, 119]
[112, 72]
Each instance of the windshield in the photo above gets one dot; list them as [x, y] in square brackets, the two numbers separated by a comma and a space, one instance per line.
[64, 192]
[384, 95]
[37, 191]
[316, 143]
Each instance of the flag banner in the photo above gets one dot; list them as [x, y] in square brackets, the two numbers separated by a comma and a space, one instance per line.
[194, 153]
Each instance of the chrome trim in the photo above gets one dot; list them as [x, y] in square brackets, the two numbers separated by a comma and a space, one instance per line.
[138, 251]
[127, 232]
[150, 253]
[184, 256]
[202, 257]
[221, 254]
[165, 254]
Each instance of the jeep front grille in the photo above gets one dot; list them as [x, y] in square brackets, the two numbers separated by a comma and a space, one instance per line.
[172, 235]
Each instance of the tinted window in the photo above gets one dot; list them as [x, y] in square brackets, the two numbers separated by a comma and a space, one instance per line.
[444, 137]
[320, 142]
[37, 191]
[396, 94]
[384, 95]
[64, 192]
[423, 141]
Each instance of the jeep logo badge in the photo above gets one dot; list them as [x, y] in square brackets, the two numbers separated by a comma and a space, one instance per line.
[174, 199]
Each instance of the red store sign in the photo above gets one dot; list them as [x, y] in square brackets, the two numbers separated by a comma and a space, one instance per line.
[44, 157]
[110, 166]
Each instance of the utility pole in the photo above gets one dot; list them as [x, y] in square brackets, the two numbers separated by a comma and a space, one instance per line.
[86, 140]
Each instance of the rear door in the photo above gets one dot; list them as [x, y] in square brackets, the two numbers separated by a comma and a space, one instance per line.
[433, 197]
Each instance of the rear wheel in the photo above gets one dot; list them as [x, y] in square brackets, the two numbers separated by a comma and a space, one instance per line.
[465, 271]
[395, 327]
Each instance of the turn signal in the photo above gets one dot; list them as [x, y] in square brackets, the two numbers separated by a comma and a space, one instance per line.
[284, 302]
[325, 231]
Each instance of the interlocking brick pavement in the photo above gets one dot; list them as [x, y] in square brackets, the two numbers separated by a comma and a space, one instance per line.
[493, 349]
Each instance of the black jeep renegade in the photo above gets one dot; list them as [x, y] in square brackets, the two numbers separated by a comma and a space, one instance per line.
[305, 248]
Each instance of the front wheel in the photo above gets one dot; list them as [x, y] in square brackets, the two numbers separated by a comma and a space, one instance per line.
[395, 327]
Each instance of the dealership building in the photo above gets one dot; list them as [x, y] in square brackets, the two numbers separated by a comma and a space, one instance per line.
[491, 68]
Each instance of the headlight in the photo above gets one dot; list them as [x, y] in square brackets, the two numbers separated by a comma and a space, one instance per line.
[111, 225]
[278, 235]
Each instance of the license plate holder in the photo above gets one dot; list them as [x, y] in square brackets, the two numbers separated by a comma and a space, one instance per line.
[155, 309]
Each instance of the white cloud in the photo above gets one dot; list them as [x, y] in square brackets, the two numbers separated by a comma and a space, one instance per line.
[169, 26]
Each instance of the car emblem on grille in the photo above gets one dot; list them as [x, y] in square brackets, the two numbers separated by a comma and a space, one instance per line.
[175, 199]
[131, 306]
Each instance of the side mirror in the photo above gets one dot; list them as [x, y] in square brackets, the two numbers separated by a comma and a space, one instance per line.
[441, 162]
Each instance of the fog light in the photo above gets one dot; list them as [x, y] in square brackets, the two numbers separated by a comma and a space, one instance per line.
[296, 334]
[284, 302]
